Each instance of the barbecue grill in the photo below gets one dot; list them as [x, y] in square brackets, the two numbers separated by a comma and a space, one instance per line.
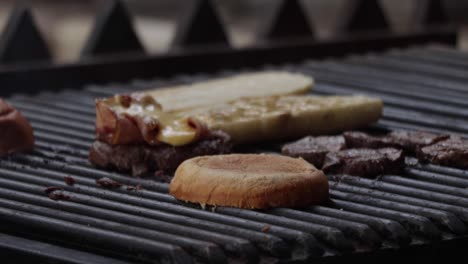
[423, 88]
[421, 214]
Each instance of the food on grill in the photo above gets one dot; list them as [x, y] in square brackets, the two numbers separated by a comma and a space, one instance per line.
[451, 152]
[108, 183]
[260, 84]
[56, 193]
[364, 162]
[51, 189]
[248, 107]
[410, 141]
[245, 120]
[272, 118]
[249, 181]
[16, 134]
[155, 116]
[59, 195]
[142, 158]
[314, 149]
[157, 130]
[69, 180]
[137, 187]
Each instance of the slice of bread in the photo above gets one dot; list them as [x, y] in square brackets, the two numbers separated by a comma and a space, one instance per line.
[254, 181]
[227, 89]
[285, 117]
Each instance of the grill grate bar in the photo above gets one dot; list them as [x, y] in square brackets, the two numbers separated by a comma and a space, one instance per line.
[136, 199]
[428, 57]
[201, 249]
[412, 66]
[441, 218]
[92, 235]
[345, 75]
[42, 251]
[417, 80]
[440, 183]
[389, 229]
[415, 192]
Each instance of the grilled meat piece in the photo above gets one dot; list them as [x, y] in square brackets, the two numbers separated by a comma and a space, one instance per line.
[15, 131]
[364, 162]
[356, 139]
[410, 141]
[452, 152]
[143, 158]
[314, 149]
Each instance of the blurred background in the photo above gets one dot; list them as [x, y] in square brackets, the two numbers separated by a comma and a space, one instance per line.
[66, 24]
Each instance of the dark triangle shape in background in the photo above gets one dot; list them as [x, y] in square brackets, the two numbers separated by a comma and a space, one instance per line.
[202, 27]
[367, 15]
[290, 21]
[22, 41]
[435, 13]
[113, 32]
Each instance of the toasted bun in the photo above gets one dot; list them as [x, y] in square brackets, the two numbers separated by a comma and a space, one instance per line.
[253, 181]
[288, 117]
[258, 84]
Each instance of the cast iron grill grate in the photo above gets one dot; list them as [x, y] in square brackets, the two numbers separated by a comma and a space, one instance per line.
[423, 88]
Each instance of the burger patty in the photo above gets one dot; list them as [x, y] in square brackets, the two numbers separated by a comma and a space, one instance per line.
[142, 158]
[364, 162]
[410, 141]
[451, 152]
[314, 149]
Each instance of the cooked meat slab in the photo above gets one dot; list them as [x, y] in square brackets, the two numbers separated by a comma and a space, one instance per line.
[410, 141]
[451, 152]
[16, 134]
[143, 158]
[364, 162]
[314, 149]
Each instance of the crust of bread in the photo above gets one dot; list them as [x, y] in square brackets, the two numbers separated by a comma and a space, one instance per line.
[254, 181]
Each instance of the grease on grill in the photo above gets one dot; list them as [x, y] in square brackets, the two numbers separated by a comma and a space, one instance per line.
[56, 193]
[51, 189]
[266, 228]
[134, 188]
[108, 183]
[69, 180]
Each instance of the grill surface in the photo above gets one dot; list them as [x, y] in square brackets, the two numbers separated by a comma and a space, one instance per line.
[423, 88]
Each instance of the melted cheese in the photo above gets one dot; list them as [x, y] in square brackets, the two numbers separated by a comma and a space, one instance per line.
[173, 129]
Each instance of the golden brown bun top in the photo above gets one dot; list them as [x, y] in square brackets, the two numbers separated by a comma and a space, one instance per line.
[255, 163]
[249, 181]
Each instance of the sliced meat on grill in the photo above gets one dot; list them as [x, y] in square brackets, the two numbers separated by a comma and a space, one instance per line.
[142, 158]
[410, 141]
[364, 162]
[452, 152]
[314, 149]
[356, 139]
